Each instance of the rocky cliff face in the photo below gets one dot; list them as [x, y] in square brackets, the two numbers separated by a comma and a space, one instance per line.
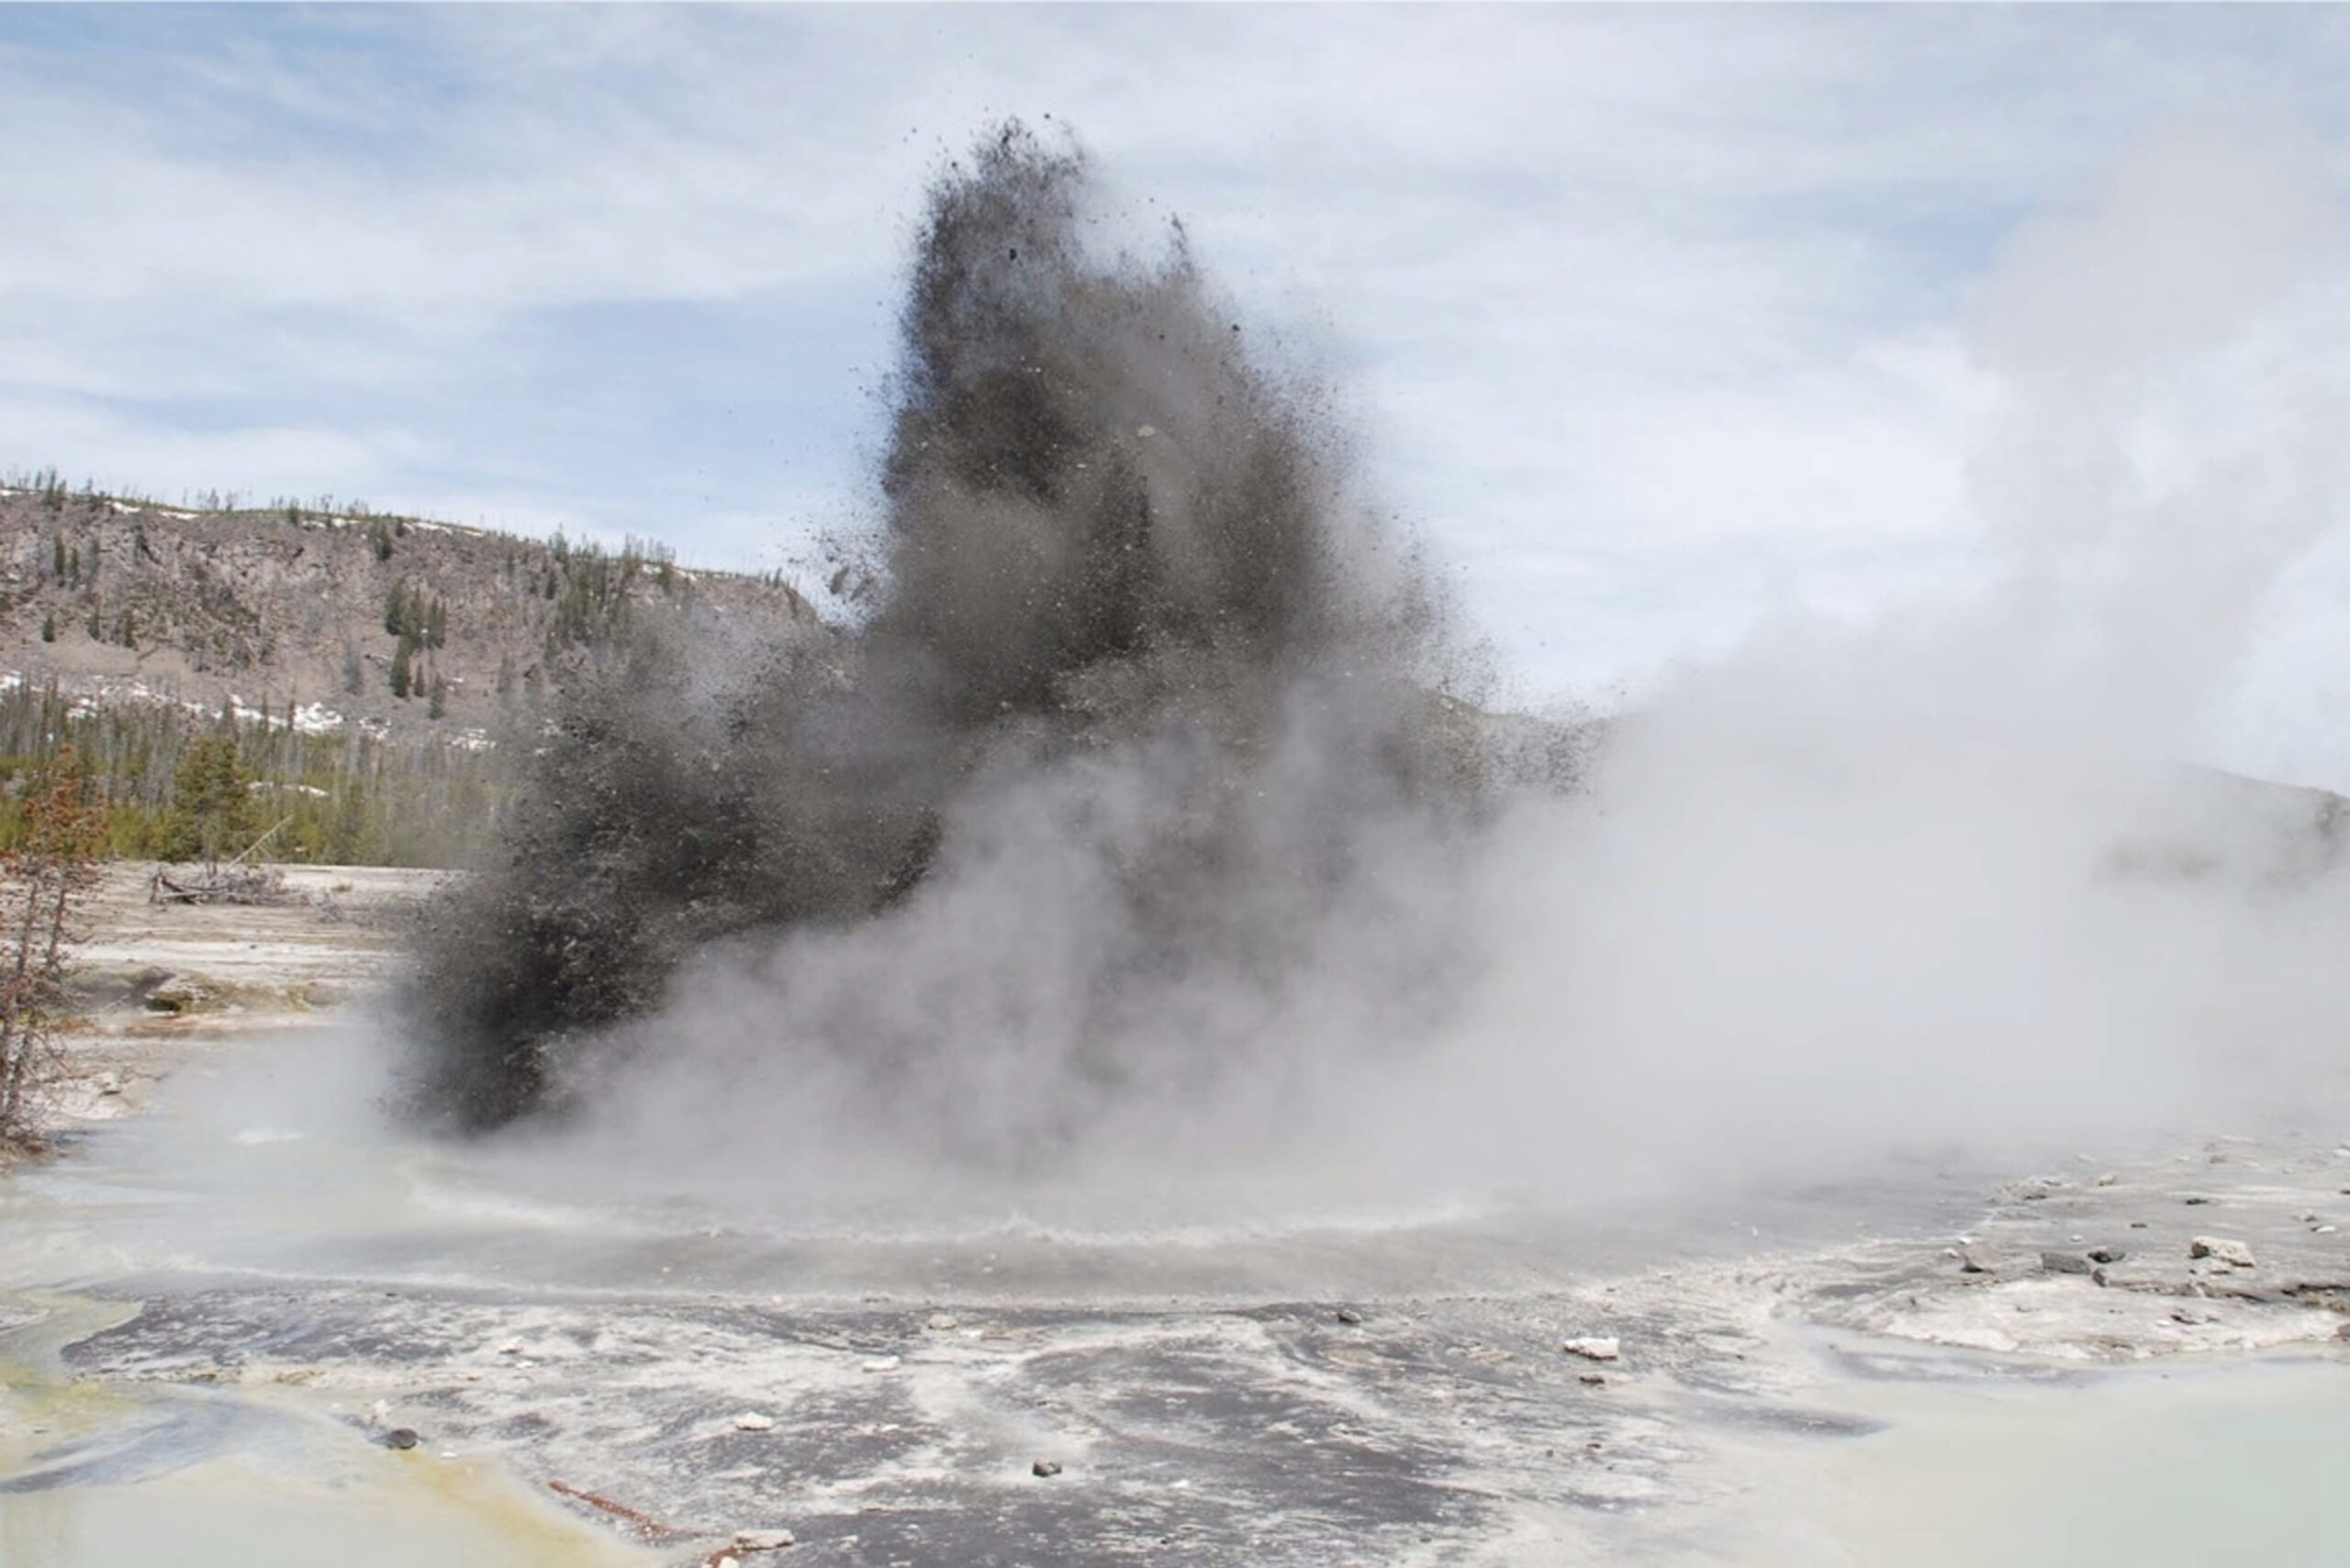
[396, 625]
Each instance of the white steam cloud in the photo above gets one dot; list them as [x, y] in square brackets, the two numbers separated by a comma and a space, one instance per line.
[1951, 879]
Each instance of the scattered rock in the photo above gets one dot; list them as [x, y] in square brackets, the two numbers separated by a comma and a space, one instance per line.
[752, 1421]
[2107, 1254]
[1045, 1467]
[2137, 1225]
[2192, 1316]
[1595, 1380]
[109, 1082]
[177, 994]
[2322, 1229]
[2109, 1179]
[2194, 1199]
[400, 1437]
[882, 1364]
[2063, 1263]
[945, 1322]
[1595, 1347]
[1967, 1263]
[2219, 1248]
[1347, 1315]
[763, 1539]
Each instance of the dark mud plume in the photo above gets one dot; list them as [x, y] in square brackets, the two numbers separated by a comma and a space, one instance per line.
[1138, 678]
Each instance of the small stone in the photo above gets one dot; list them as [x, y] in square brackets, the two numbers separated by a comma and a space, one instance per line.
[1595, 1347]
[2309, 1218]
[945, 1322]
[763, 1539]
[2322, 1229]
[753, 1421]
[2063, 1263]
[2194, 1199]
[1968, 1263]
[1594, 1380]
[1046, 1468]
[2220, 1249]
[400, 1437]
[882, 1364]
[2137, 1225]
[2109, 1179]
[2107, 1254]
[1347, 1315]
[109, 1082]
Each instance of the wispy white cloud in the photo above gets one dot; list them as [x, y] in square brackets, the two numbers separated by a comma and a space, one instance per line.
[1655, 321]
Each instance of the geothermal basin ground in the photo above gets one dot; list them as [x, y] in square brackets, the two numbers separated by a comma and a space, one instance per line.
[244, 1319]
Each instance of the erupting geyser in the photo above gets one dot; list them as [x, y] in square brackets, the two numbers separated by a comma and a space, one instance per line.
[1144, 708]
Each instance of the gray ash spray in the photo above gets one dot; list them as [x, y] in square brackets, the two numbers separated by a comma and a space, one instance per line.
[1123, 603]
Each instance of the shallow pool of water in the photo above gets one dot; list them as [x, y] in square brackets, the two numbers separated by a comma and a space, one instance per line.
[408, 1512]
[2187, 1466]
[273, 1160]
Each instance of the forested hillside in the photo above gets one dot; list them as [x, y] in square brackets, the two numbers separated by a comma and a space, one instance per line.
[348, 678]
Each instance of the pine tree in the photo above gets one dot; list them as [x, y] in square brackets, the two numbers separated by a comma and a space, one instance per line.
[51, 868]
[211, 815]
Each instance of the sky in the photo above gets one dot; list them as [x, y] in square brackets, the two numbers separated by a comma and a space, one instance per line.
[1654, 326]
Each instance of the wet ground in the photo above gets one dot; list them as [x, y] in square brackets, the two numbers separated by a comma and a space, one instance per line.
[244, 1295]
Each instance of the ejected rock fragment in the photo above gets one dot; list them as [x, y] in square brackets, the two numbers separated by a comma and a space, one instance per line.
[1595, 1347]
[1046, 1468]
[2063, 1263]
[400, 1437]
[753, 1421]
[1347, 1315]
[2220, 1249]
